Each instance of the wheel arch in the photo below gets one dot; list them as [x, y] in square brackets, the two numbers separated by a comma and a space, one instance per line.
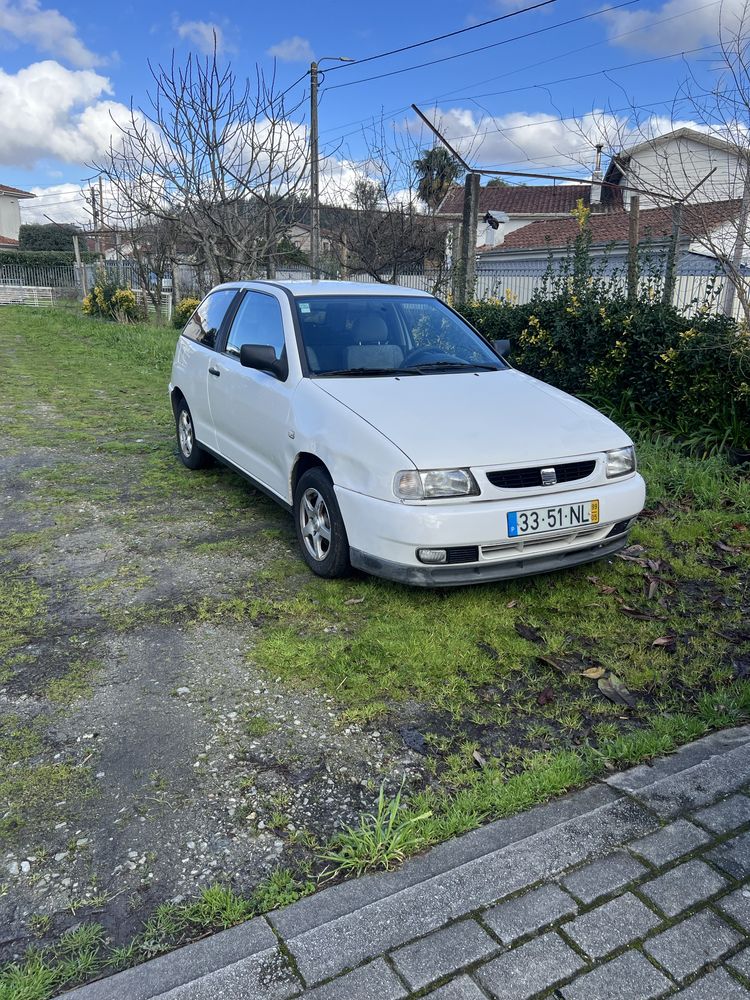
[304, 461]
[177, 396]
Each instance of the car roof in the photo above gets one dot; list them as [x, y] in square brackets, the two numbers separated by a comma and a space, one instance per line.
[302, 289]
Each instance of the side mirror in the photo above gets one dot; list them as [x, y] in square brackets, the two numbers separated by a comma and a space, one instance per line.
[263, 358]
[502, 347]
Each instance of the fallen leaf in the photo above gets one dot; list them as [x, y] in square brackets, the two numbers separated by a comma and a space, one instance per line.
[614, 689]
[644, 616]
[664, 640]
[511, 604]
[355, 600]
[654, 565]
[594, 673]
[633, 559]
[545, 696]
[722, 547]
[479, 760]
[528, 632]
[551, 662]
[740, 527]
[653, 586]
[488, 650]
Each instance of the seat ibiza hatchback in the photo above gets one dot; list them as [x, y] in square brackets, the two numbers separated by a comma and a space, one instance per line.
[398, 437]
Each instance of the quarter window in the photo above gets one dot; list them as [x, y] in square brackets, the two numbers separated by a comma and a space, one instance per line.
[204, 324]
[258, 322]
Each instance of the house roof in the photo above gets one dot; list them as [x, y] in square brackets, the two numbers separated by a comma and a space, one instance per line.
[6, 241]
[715, 141]
[15, 192]
[537, 199]
[612, 227]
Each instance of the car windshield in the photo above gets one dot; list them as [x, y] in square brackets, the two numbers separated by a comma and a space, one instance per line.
[380, 335]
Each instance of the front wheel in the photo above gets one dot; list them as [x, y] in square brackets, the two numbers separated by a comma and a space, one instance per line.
[191, 453]
[320, 527]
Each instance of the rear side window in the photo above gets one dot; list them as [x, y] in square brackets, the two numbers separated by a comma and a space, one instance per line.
[205, 322]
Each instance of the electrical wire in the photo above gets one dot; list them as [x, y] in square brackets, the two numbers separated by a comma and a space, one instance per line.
[521, 69]
[484, 48]
[448, 34]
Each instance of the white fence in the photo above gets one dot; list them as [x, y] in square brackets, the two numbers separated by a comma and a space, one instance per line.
[25, 295]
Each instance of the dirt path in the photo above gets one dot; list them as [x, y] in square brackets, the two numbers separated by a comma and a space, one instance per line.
[148, 756]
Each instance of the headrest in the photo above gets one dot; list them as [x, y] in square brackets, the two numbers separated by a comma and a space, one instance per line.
[370, 329]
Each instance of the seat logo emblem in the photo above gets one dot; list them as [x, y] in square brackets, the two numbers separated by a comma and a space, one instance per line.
[549, 477]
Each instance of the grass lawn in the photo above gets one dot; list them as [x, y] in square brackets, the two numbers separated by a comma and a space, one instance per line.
[499, 696]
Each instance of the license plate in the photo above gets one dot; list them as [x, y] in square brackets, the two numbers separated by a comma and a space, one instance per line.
[541, 519]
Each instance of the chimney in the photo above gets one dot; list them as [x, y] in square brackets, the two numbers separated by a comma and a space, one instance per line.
[595, 199]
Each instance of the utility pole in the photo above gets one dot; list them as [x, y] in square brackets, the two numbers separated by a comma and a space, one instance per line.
[79, 265]
[101, 209]
[95, 213]
[669, 272]
[730, 290]
[464, 282]
[315, 164]
[633, 227]
[314, 174]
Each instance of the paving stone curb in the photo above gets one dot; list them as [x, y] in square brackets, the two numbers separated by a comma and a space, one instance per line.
[479, 916]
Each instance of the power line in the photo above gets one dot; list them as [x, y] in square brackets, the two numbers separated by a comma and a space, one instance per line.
[448, 34]
[521, 69]
[484, 48]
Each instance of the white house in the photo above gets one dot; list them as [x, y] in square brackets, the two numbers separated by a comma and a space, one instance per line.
[10, 215]
[672, 165]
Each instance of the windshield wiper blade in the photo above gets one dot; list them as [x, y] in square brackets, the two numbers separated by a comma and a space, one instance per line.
[455, 366]
[343, 372]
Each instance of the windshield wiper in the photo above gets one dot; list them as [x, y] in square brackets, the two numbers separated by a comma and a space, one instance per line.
[356, 372]
[455, 366]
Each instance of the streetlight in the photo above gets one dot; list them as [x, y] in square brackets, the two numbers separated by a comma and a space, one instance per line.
[315, 164]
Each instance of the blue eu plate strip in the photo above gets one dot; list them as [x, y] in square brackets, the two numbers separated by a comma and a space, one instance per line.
[512, 524]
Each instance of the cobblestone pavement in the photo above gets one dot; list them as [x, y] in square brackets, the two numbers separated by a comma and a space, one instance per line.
[635, 888]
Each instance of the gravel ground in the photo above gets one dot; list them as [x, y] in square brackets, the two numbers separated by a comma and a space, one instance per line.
[186, 763]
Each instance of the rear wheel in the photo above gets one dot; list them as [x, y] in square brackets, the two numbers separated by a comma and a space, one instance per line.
[321, 532]
[191, 453]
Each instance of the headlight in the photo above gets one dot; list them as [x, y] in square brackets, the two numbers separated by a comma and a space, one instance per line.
[415, 485]
[620, 462]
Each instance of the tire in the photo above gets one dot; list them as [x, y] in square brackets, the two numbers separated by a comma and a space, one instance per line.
[320, 528]
[191, 454]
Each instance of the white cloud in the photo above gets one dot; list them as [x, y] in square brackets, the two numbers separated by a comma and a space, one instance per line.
[48, 111]
[202, 34]
[61, 202]
[295, 49]
[47, 30]
[686, 24]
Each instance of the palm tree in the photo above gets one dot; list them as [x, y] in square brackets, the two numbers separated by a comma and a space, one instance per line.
[436, 170]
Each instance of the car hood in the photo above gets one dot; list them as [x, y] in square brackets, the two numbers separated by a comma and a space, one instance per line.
[476, 419]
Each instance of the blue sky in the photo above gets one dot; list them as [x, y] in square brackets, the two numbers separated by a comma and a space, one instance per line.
[64, 70]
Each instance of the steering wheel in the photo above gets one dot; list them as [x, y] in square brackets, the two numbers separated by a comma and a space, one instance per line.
[423, 355]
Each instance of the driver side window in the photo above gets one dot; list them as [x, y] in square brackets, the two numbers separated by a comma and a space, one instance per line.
[259, 322]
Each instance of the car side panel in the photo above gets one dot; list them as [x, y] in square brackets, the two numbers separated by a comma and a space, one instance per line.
[190, 376]
[358, 457]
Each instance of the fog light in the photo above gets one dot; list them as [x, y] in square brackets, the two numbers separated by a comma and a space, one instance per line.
[431, 555]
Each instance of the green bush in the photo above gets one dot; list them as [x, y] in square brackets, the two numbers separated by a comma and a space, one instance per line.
[112, 301]
[689, 377]
[183, 311]
[44, 258]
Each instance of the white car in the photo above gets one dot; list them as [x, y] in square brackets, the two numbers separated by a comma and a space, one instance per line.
[398, 437]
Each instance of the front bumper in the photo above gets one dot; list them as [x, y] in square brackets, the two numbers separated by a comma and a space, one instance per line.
[384, 536]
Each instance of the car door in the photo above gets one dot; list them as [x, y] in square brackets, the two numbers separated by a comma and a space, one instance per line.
[195, 352]
[250, 409]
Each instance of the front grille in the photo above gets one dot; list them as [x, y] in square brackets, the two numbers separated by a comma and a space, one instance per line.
[464, 554]
[519, 479]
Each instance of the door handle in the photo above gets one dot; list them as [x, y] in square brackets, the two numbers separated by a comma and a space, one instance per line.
[214, 371]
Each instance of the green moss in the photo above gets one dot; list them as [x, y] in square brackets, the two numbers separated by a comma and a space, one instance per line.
[24, 605]
[75, 682]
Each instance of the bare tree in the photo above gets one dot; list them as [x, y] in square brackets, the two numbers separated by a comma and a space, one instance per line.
[212, 157]
[379, 228]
